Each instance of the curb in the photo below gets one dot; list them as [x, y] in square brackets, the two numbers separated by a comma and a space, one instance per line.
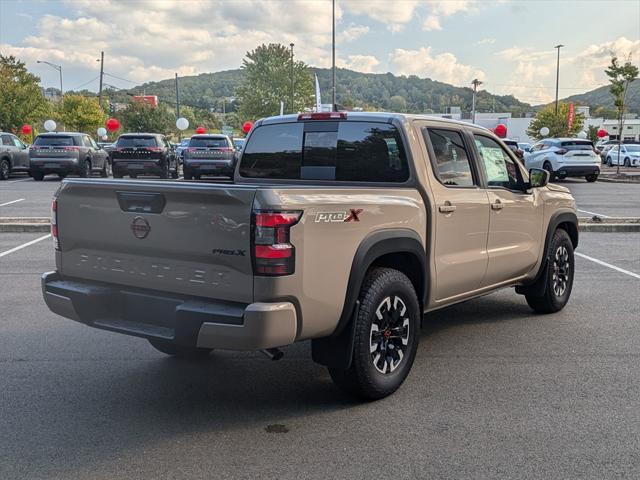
[612, 179]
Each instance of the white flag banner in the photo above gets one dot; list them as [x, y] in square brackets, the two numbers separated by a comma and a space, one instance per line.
[318, 100]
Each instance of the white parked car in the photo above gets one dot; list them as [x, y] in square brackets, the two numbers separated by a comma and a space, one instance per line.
[565, 157]
[629, 155]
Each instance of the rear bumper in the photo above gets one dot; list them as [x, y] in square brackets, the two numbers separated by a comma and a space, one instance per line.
[55, 166]
[187, 321]
[141, 166]
[207, 166]
[578, 170]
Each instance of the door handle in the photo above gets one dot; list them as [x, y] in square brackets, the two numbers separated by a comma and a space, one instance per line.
[497, 205]
[447, 207]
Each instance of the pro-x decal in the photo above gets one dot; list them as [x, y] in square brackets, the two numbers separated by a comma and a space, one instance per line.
[353, 215]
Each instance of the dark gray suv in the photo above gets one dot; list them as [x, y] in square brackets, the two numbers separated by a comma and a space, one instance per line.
[66, 153]
[14, 156]
[209, 155]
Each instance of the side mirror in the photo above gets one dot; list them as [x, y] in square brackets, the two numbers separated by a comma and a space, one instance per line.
[538, 177]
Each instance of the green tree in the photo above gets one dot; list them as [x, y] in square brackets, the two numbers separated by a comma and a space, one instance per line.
[21, 99]
[267, 81]
[143, 117]
[80, 113]
[558, 125]
[620, 76]
[592, 133]
[398, 103]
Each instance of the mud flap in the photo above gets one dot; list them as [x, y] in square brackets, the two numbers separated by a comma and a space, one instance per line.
[538, 287]
[336, 351]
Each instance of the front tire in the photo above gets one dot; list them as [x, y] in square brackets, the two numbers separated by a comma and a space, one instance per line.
[547, 166]
[560, 271]
[37, 176]
[627, 162]
[170, 348]
[609, 162]
[104, 173]
[387, 331]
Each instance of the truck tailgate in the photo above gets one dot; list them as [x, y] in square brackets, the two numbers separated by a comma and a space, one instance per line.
[184, 238]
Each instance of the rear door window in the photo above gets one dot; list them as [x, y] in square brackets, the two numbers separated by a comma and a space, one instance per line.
[54, 141]
[333, 151]
[132, 142]
[451, 163]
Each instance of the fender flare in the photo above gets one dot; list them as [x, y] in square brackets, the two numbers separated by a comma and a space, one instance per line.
[336, 349]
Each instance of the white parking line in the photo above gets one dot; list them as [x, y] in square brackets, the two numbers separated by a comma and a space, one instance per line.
[24, 245]
[12, 201]
[594, 213]
[605, 264]
[21, 180]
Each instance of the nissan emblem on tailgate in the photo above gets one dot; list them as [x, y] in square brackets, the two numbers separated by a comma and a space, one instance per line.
[140, 228]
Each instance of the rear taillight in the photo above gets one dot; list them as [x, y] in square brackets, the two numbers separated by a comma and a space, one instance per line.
[323, 116]
[273, 254]
[226, 149]
[190, 149]
[72, 149]
[154, 149]
[561, 151]
[54, 224]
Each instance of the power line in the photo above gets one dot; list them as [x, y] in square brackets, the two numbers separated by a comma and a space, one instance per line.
[120, 78]
[86, 83]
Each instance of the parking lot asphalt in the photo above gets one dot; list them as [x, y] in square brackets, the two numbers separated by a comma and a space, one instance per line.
[600, 198]
[495, 392]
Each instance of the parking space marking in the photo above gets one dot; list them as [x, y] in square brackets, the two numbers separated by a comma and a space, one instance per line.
[21, 180]
[25, 245]
[12, 201]
[593, 213]
[605, 264]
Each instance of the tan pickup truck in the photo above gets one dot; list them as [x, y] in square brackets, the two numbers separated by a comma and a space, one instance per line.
[342, 228]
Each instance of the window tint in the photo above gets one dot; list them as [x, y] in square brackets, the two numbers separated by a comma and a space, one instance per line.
[208, 142]
[451, 159]
[86, 141]
[54, 140]
[342, 151]
[125, 142]
[6, 140]
[500, 168]
[577, 145]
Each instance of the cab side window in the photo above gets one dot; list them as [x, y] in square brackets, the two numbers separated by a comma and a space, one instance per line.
[501, 170]
[6, 140]
[451, 162]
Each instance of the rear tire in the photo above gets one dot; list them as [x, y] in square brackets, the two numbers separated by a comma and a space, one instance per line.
[591, 178]
[37, 176]
[165, 171]
[62, 176]
[559, 273]
[387, 331]
[170, 348]
[187, 175]
[5, 169]
[547, 166]
[117, 175]
[133, 175]
[86, 171]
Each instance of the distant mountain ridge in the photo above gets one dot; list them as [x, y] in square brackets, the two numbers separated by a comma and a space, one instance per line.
[380, 91]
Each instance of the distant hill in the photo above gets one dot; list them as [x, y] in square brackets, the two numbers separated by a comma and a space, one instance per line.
[355, 89]
[601, 97]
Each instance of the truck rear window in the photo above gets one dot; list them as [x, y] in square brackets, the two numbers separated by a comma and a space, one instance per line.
[125, 142]
[208, 142]
[338, 151]
[53, 141]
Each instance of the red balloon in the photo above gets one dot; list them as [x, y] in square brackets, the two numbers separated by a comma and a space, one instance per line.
[602, 133]
[200, 130]
[500, 130]
[26, 129]
[112, 124]
[247, 126]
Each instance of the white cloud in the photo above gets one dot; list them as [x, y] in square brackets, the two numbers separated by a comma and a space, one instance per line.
[431, 23]
[360, 63]
[486, 41]
[351, 33]
[443, 66]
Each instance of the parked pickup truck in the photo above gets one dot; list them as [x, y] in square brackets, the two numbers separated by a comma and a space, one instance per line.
[342, 228]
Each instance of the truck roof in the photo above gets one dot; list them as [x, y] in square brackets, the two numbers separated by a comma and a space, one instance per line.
[376, 117]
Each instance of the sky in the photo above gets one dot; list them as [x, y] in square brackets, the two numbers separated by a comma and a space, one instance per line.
[507, 44]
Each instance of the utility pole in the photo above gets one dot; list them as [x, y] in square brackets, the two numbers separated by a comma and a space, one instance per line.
[292, 107]
[333, 54]
[177, 98]
[476, 83]
[558, 47]
[101, 75]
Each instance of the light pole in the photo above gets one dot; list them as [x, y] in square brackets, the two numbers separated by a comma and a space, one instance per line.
[558, 74]
[333, 54]
[57, 67]
[292, 107]
[476, 83]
